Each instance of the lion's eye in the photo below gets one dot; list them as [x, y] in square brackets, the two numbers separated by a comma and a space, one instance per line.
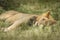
[43, 19]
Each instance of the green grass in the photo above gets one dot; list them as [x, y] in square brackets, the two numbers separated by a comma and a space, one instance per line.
[25, 32]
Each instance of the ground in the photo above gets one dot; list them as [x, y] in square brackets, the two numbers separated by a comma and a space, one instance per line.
[35, 33]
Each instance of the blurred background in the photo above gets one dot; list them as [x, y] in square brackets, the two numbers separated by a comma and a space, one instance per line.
[32, 7]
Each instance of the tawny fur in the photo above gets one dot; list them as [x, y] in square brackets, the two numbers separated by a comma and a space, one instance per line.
[17, 18]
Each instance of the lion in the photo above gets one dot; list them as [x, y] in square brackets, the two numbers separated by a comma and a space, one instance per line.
[17, 18]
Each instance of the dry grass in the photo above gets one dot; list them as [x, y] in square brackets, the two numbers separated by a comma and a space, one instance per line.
[35, 33]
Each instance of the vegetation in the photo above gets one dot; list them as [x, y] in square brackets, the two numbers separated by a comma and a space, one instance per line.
[25, 32]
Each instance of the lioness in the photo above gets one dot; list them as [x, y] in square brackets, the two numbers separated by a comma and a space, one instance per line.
[17, 18]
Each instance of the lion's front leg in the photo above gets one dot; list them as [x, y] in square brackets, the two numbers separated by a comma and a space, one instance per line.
[14, 25]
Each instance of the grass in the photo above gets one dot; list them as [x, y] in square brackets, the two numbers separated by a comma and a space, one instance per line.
[26, 32]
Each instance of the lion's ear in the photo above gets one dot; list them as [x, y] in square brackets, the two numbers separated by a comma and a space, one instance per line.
[47, 14]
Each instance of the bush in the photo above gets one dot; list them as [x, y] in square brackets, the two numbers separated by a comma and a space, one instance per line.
[9, 4]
